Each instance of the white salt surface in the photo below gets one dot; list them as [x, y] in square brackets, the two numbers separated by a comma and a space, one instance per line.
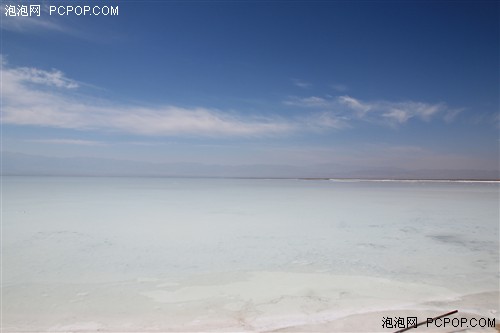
[146, 254]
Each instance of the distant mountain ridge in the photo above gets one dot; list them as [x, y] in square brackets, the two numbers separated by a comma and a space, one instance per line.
[27, 164]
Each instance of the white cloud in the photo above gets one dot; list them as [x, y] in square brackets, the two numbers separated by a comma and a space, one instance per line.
[401, 112]
[353, 103]
[398, 112]
[328, 120]
[313, 101]
[173, 120]
[452, 114]
[50, 78]
[388, 112]
[398, 115]
[34, 24]
[37, 97]
[29, 23]
[301, 83]
[339, 87]
[68, 142]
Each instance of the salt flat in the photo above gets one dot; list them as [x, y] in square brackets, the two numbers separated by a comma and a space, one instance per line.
[159, 254]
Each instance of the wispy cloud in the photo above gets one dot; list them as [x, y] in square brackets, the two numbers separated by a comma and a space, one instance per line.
[324, 121]
[69, 142]
[53, 78]
[388, 112]
[37, 97]
[401, 112]
[301, 83]
[353, 104]
[30, 23]
[496, 119]
[452, 114]
[339, 87]
[48, 24]
[308, 102]
[171, 120]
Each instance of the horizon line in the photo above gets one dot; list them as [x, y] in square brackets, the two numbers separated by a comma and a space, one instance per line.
[339, 179]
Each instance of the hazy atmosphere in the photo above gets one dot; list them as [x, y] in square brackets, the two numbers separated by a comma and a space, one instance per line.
[254, 89]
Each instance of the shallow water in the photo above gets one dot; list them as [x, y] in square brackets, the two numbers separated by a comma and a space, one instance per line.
[155, 243]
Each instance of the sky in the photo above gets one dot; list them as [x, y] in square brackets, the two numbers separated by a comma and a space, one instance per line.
[323, 88]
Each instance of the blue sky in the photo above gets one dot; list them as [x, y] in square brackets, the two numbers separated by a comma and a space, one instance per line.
[347, 85]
